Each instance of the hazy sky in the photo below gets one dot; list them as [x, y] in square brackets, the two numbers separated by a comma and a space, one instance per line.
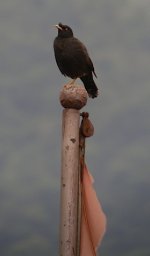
[117, 35]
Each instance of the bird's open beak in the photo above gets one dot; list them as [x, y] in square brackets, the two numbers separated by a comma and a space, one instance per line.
[57, 26]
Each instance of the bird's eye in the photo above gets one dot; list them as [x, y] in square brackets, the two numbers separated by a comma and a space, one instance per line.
[66, 28]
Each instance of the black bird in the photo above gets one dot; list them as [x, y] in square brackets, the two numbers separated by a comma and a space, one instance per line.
[73, 60]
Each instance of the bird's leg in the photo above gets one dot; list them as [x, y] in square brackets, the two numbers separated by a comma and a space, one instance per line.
[72, 81]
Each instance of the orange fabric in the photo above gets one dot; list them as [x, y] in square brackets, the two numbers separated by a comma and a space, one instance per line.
[93, 219]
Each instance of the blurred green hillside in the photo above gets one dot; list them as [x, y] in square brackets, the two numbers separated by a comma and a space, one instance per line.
[117, 35]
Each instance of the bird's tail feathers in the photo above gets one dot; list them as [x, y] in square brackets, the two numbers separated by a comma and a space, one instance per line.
[90, 85]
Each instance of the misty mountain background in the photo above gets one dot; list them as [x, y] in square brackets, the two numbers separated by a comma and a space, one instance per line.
[117, 35]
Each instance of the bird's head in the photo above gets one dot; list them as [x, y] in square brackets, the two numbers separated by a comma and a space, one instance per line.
[64, 31]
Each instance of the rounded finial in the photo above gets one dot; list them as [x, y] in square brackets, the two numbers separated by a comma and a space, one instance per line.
[73, 96]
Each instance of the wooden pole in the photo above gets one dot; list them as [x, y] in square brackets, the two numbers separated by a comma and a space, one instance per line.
[72, 98]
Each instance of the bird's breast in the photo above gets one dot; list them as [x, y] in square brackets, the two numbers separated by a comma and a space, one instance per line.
[59, 45]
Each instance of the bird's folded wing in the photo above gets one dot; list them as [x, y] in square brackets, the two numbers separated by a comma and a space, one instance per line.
[93, 219]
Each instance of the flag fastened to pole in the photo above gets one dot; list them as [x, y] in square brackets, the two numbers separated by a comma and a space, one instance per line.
[93, 220]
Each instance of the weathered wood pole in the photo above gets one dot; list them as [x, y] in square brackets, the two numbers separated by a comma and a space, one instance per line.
[72, 98]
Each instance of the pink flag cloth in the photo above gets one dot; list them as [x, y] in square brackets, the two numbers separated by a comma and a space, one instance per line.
[93, 223]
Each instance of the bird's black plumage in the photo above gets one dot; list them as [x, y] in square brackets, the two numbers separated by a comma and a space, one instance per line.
[73, 60]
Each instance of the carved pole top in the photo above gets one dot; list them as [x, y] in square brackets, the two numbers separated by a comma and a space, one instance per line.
[73, 96]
